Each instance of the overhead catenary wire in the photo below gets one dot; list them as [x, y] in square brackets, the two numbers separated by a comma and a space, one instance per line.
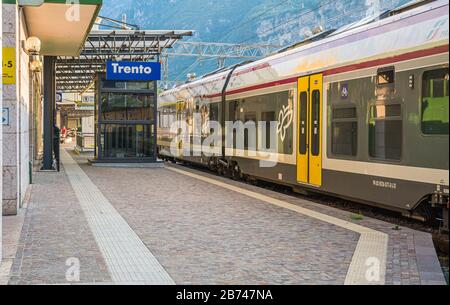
[304, 13]
[292, 19]
[195, 63]
[239, 26]
[310, 11]
[340, 17]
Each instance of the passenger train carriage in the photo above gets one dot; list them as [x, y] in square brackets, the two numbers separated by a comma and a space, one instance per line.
[362, 112]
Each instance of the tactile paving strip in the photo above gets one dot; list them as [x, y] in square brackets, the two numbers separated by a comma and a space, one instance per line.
[127, 258]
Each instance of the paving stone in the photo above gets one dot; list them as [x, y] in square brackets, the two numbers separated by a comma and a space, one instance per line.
[54, 231]
[203, 234]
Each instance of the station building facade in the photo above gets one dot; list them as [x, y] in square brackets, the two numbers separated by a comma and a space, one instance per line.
[21, 95]
[60, 28]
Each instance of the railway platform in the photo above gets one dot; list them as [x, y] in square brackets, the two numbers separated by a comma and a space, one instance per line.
[176, 225]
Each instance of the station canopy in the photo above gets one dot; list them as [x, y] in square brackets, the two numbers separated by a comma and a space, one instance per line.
[61, 26]
[76, 73]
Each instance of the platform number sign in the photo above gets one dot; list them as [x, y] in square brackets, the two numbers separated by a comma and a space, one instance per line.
[9, 66]
[5, 116]
[344, 91]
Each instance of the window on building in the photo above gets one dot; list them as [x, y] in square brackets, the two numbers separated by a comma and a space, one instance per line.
[385, 132]
[344, 140]
[435, 86]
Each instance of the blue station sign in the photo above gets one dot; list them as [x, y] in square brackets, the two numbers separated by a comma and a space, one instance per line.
[133, 71]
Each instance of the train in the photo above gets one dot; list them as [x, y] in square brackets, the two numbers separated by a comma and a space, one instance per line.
[361, 113]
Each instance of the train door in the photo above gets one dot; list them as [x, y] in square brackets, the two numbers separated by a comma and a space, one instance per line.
[310, 109]
[179, 117]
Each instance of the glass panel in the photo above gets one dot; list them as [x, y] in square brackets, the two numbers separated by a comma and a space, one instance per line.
[268, 117]
[435, 102]
[140, 86]
[386, 111]
[345, 138]
[128, 85]
[249, 117]
[127, 141]
[107, 84]
[127, 106]
[315, 124]
[233, 116]
[214, 112]
[303, 123]
[344, 113]
[386, 77]
[251, 109]
[233, 111]
[385, 139]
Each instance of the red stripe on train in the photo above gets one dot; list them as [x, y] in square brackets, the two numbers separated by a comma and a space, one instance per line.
[349, 68]
[388, 60]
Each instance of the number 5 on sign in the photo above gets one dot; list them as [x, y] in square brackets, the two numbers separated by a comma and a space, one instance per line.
[9, 66]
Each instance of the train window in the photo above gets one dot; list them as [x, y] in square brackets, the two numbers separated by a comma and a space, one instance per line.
[249, 117]
[385, 132]
[267, 118]
[344, 113]
[303, 123]
[233, 111]
[264, 108]
[385, 111]
[435, 86]
[214, 112]
[233, 116]
[344, 140]
[315, 123]
[386, 76]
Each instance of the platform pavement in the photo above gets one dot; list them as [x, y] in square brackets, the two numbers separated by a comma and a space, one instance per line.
[55, 231]
[201, 233]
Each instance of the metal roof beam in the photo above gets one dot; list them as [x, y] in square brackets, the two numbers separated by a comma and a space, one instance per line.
[74, 74]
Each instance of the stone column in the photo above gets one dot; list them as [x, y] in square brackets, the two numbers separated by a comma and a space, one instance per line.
[10, 170]
[16, 99]
[1, 134]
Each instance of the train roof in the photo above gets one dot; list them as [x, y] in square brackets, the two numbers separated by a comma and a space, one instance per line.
[403, 11]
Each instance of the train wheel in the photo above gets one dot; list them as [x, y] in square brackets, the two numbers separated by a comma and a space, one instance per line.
[236, 173]
[220, 170]
[212, 165]
[228, 172]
